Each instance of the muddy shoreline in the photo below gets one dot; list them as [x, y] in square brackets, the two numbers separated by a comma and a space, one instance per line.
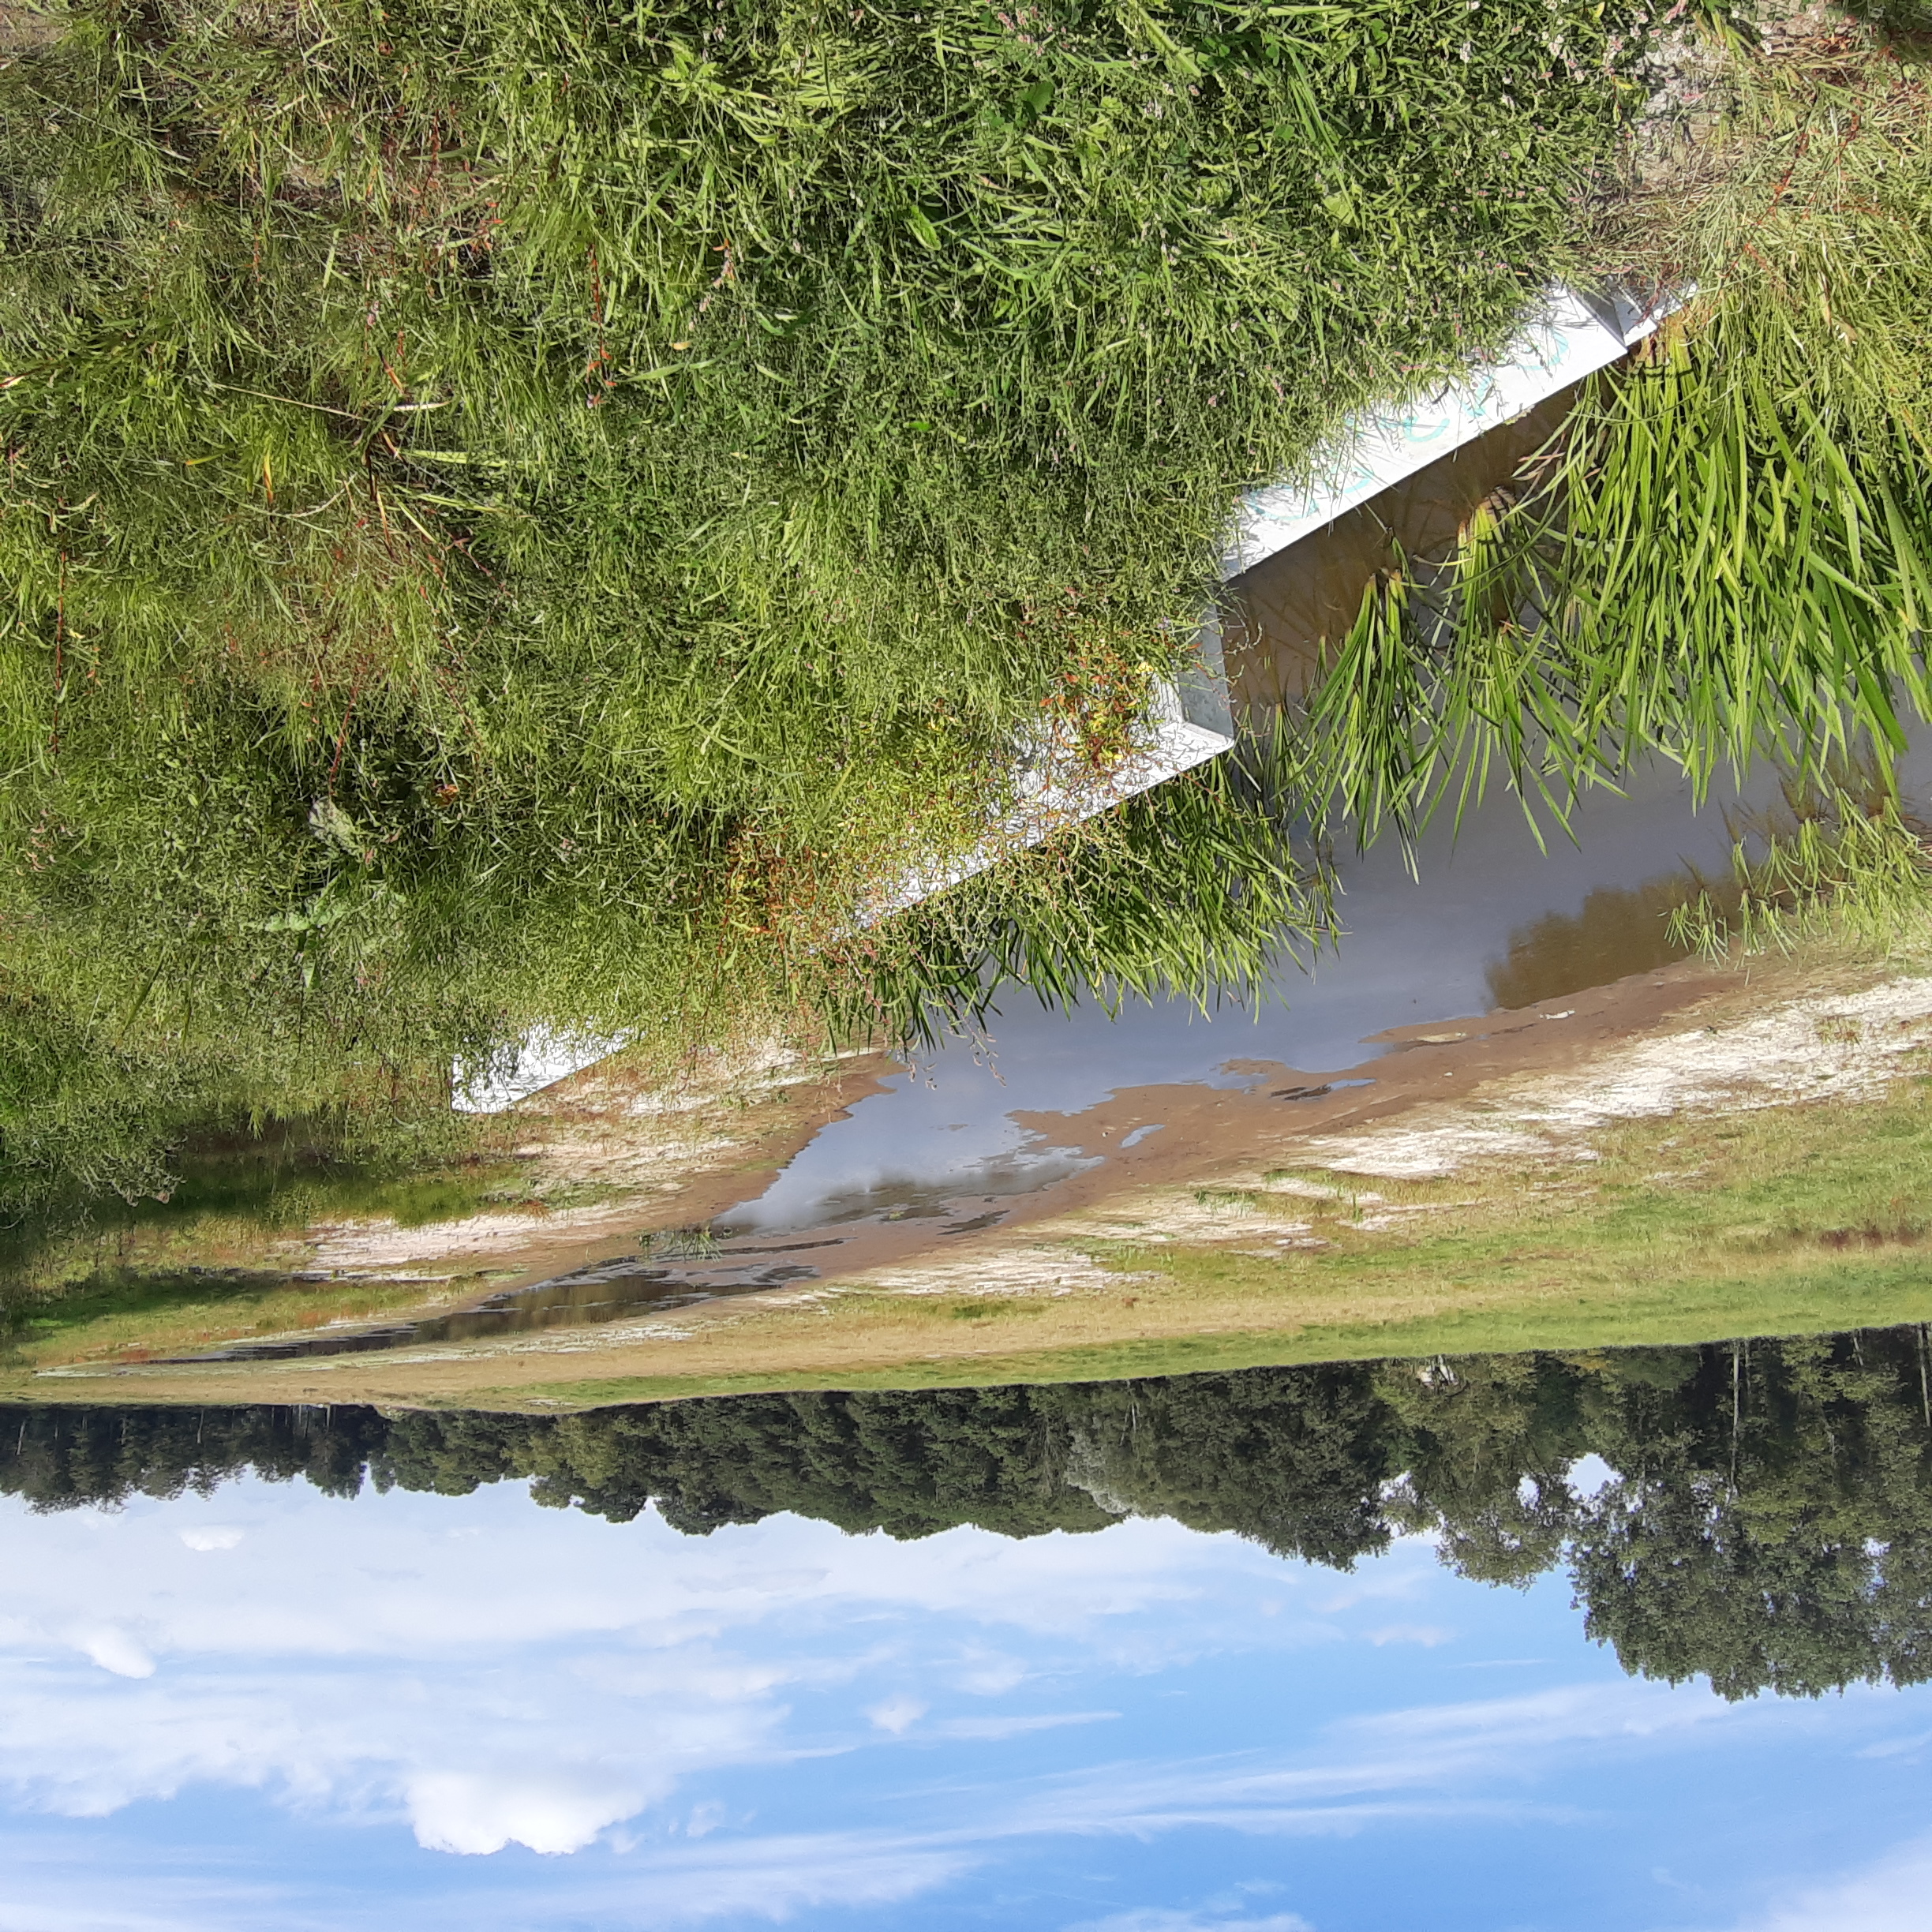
[1044, 1292]
[1193, 1129]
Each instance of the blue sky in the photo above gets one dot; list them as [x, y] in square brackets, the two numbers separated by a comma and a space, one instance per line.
[269, 1707]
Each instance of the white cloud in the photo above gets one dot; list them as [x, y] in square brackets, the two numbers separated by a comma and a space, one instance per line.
[990, 1674]
[195, 1910]
[496, 1674]
[1158, 1919]
[773, 1877]
[114, 1649]
[1570, 1713]
[1893, 1895]
[993, 1729]
[480, 1812]
[42, 1891]
[207, 1537]
[898, 1715]
[1432, 1762]
[1898, 1746]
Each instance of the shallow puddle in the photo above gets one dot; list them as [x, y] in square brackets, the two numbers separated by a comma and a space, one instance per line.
[1490, 921]
[598, 1293]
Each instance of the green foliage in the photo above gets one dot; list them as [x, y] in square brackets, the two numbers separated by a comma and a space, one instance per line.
[526, 513]
[1845, 867]
[1192, 888]
[1728, 550]
[1782, 1540]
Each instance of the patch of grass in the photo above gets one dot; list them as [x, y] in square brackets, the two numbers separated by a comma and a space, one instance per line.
[1842, 867]
[682, 1244]
[1228, 1200]
[1817, 1301]
[232, 1208]
[920, 1309]
[990, 1307]
[135, 1317]
[1745, 1220]
[1313, 1183]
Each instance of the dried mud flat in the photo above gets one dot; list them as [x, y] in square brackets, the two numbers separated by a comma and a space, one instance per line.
[1508, 1092]
[641, 1154]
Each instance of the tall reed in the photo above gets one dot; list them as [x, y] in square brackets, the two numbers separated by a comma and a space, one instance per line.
[1727, 552]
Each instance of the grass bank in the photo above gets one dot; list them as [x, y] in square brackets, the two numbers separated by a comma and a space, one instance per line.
[518, 513]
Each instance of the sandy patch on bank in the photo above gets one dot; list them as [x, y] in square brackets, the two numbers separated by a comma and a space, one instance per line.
[663, 1153]
[348, 1249]
[1835, 1047]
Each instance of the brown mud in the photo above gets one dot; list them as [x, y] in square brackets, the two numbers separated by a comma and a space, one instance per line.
[1204, 1128]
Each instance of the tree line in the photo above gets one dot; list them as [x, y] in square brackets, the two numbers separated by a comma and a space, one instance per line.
[1767, 1521]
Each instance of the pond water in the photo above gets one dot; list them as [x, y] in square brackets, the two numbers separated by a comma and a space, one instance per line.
[1419, 945]
[1355, 1648]
[1488, 916]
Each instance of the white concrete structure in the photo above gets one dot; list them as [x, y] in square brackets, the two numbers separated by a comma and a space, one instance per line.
[542, 1058]
[1572, 336]
[1190, 722]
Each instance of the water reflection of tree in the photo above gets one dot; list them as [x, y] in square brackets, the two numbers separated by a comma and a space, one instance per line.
[1619, 930]
[1768, 1523]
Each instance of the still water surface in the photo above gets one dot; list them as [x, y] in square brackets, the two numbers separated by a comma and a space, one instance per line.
[1355, 1648]
[1437, 942]
[1488, 916]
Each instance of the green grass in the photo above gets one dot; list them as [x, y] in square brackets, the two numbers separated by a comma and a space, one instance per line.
[515, 512]
[1743, 1218]
[1796, 1220]
[1843, 865]
[1819, 1302]
[229, 1206]
[128, 1317]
